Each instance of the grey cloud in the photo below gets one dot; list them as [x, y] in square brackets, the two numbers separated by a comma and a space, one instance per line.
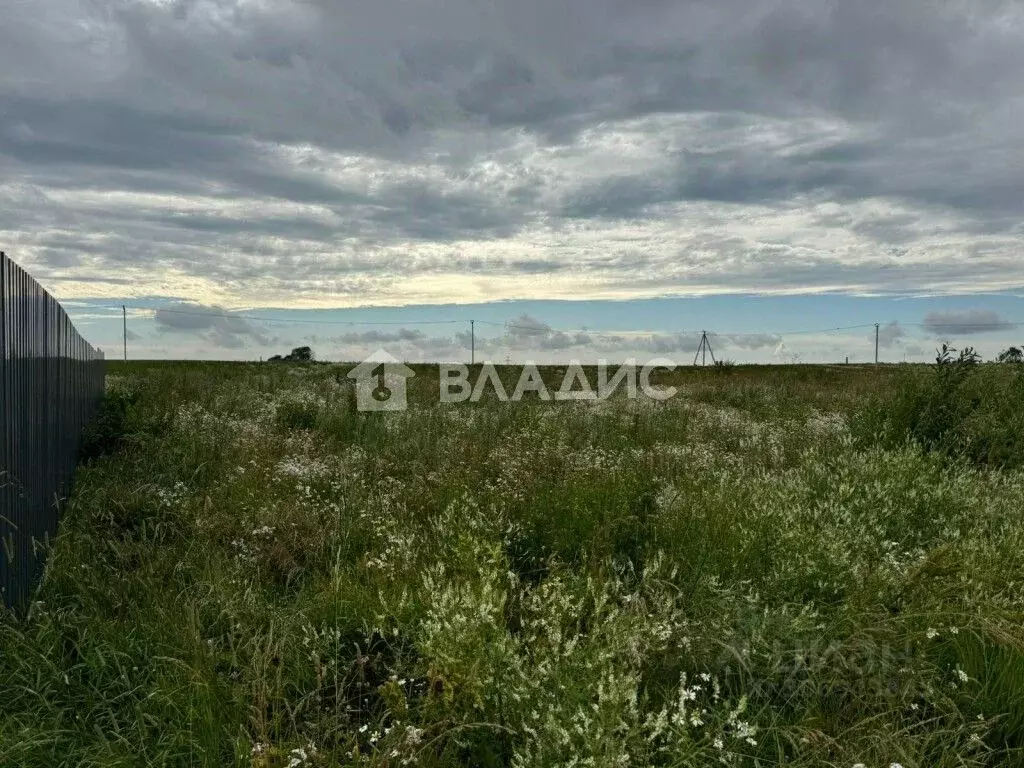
[213, 324]
[945, 324]
[528, 327]
[507, 92]
[398, 130]
[292, 227]
[890, 333]
[689, 342]
[666, 344]
[914, 350]
[380, 337]
[528, 332]
[421, 212]
[736, 176]
[749, 340]
[561, 340]
[536, 266]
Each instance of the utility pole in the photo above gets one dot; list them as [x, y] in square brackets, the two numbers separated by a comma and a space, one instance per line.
[704, 349]
[124, 327]
[876, 343]
[472, 342]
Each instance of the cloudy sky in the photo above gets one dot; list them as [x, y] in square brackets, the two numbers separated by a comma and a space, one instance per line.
[577, 175]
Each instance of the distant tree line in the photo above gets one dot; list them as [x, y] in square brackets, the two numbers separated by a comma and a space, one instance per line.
[1011, 355]
[297, 355]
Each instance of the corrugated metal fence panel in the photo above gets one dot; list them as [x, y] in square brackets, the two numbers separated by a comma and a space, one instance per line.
[51, 383]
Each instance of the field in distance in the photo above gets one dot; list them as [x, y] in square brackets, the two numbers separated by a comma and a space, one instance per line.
[793, 565]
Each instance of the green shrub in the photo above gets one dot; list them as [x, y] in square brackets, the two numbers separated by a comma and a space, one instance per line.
[107, 432]
[957, 407]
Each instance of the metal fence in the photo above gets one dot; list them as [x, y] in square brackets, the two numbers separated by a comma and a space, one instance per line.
[51, 382]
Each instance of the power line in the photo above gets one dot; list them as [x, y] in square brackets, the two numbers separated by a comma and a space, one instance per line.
[549, 329]
[821, 330]
[541, 328]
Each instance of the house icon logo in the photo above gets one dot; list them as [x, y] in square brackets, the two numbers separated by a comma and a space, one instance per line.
[380, 383]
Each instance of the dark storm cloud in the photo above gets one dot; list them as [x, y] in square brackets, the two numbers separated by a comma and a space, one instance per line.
[968, 322]
[280, 148]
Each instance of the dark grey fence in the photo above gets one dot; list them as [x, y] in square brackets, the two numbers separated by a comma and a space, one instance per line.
[51, 382]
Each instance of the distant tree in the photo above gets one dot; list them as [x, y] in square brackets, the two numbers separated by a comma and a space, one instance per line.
[297, 355]
[1011, 355]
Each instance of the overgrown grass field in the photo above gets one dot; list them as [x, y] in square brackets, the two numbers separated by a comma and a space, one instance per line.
[801, 566]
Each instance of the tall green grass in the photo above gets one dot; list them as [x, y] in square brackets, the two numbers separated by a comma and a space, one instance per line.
[956, 407]
[253, 573]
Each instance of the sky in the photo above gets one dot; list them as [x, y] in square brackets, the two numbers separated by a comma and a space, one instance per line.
[583, 178]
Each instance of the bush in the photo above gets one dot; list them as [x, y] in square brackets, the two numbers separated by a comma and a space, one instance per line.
[1011, 355]
[106, 434]
[957, 407]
